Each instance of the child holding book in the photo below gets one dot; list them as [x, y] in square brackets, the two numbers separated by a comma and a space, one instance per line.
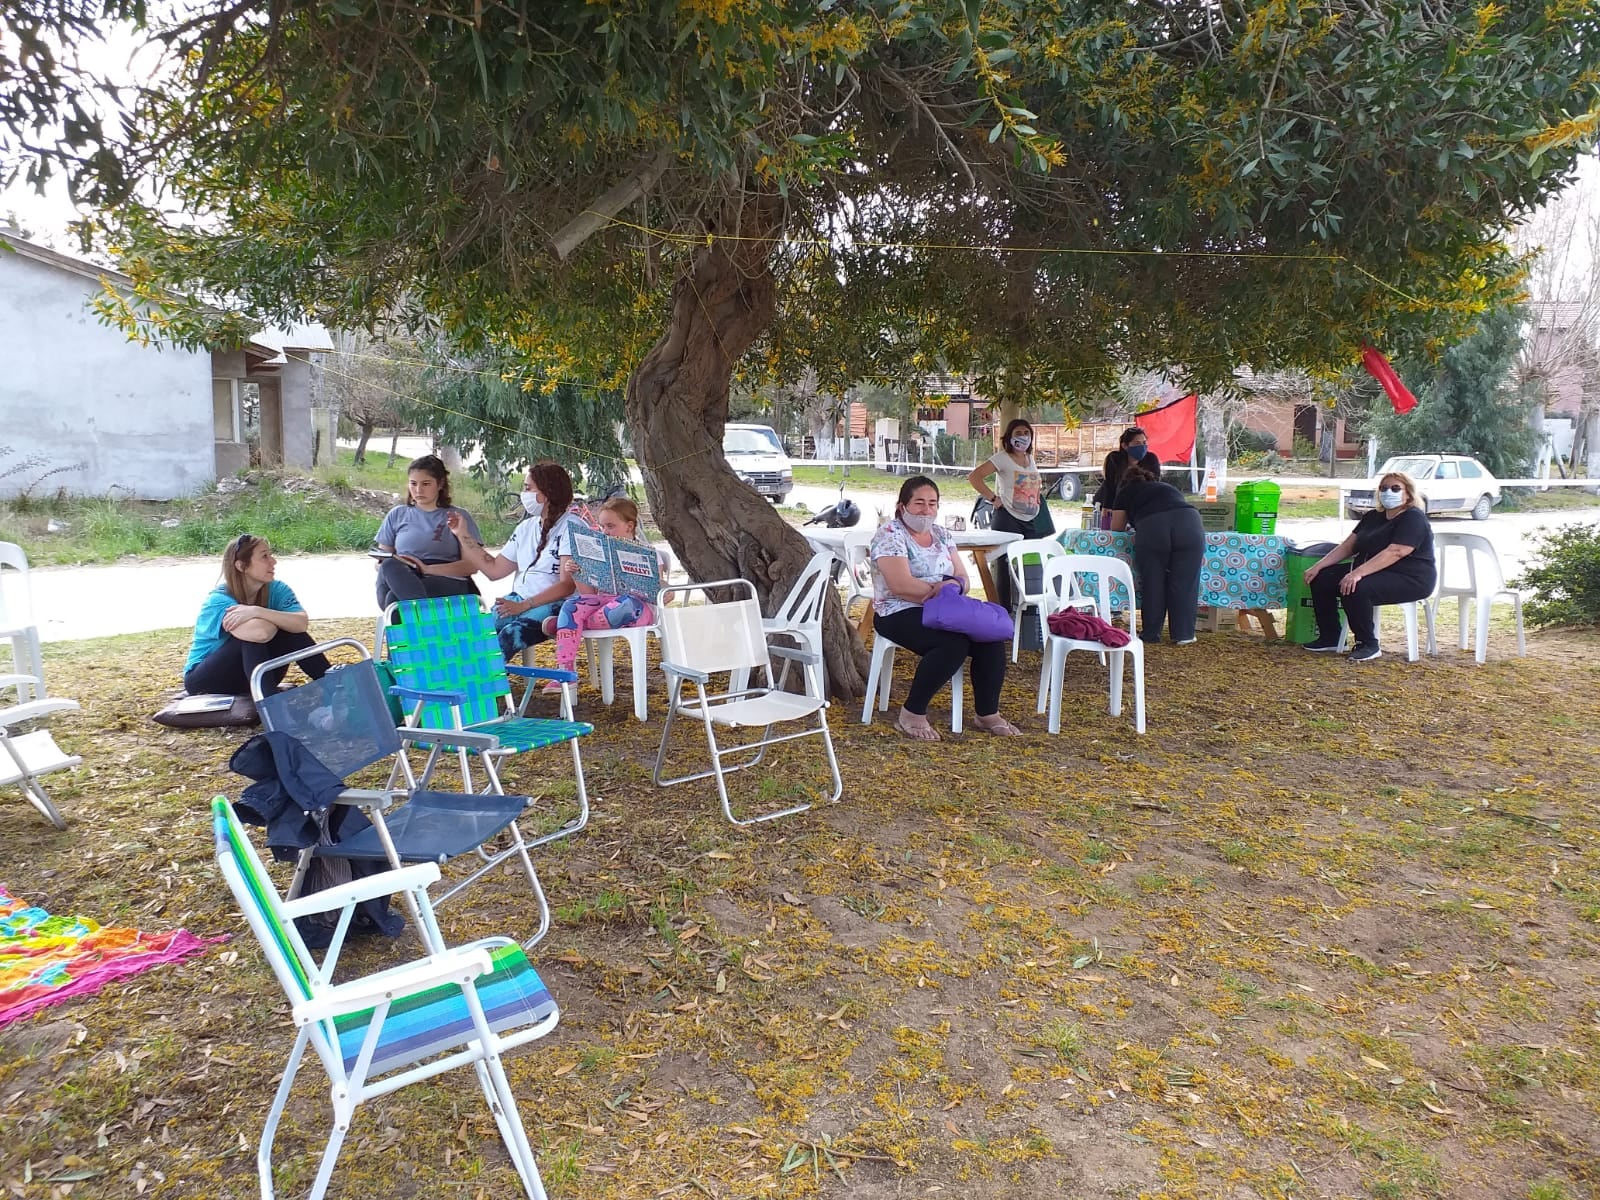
[589, 609]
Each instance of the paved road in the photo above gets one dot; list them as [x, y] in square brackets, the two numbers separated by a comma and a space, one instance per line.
[83, 602]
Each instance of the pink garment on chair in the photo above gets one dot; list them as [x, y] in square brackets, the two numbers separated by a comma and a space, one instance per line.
[1086, 627]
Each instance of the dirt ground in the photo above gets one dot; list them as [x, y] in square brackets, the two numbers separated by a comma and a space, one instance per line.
[1327, 930]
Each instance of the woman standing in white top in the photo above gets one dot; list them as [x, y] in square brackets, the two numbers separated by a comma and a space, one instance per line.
[1018, 494]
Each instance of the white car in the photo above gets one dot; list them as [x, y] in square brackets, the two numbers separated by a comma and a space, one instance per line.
[1448, 483]
[756, 456]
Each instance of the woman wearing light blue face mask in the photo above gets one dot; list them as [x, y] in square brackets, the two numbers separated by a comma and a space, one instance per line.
[534, 553]
[1393, 563]
[1018, 493]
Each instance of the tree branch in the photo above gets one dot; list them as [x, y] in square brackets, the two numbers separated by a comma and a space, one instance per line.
[599, 213]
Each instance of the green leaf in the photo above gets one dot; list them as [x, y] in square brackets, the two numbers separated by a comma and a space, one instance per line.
[994, 134]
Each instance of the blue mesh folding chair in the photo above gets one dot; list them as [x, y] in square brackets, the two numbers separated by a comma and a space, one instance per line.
[459, 1006]
[452, 675]
[344, 719]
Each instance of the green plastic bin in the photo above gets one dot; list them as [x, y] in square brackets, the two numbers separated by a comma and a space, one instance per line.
[1256, 506]
[1301, 622]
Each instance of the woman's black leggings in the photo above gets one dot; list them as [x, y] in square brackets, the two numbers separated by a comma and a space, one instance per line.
[1168, 548]
[941, 654]
[226, 670]
[401, 581]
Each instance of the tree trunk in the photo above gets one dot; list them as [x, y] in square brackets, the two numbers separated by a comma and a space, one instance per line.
[361, 443]
[677, 405]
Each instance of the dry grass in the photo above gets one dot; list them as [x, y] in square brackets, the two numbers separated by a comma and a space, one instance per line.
[1325, 931]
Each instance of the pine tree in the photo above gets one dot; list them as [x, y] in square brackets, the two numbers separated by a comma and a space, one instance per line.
[1469, 402]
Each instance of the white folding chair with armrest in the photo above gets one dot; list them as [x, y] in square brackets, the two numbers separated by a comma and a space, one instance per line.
[16, 622]
[24, 757]
[1107, 570]
[702, 640]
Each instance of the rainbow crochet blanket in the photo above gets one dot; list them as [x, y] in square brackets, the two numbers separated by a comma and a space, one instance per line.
[45, 960]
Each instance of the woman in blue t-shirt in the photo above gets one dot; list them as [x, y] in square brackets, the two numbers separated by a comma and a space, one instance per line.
[246, 620]
[424, 553]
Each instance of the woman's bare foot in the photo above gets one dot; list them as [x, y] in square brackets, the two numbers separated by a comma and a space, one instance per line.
[915, 727]
[997, 725]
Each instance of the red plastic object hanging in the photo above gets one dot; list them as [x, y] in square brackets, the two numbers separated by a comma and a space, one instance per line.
[1378, 367]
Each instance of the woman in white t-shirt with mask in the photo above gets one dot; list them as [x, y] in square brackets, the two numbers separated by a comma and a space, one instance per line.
[534, 553]
[1018, 493]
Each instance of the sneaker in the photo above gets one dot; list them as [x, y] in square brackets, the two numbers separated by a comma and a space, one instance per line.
[1186, 642]
[1321, 647]
[1365, 652]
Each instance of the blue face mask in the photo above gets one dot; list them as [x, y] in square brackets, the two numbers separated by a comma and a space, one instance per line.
[1136, 451]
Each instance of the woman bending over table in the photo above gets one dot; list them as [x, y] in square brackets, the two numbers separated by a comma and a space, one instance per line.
[534, 553]
[913, 557]
[1393, 548]
[247, 619]
[1169, 546]
[423, 541]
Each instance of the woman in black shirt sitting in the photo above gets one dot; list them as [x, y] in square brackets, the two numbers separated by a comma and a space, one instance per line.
[1393, 548]
[1167, 551]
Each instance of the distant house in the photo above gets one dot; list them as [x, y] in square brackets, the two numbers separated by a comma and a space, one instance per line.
[104, 415]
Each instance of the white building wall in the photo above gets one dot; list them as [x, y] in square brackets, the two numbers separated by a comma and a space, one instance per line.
[125, 417]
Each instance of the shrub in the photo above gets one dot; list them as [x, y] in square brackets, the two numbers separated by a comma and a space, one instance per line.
[1242, 441]
[1565, 578]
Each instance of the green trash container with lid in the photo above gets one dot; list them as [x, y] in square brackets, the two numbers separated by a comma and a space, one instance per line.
[1301, 624]
[1256, 506]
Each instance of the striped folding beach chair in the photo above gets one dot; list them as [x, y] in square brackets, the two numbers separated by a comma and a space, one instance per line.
[459, 1006]
[451, 673]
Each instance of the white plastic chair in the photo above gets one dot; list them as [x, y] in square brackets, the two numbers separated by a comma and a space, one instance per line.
[702, 640]
[856, 555]
[459, 1006]
[24, 757]
[1486, 584]
[1408, 613]
[880, 680]
[1052, 673]
[800, 617]
[599, 643]
[1015, 555]
[16, 621]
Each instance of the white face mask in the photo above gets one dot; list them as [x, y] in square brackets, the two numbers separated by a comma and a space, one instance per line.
[1392, 497]
[1022, 441]
[916, 522]
[532, 503]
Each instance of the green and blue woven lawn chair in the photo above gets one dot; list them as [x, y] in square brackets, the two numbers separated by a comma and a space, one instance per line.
[344, 719]
[451, 673]
[459, 1006]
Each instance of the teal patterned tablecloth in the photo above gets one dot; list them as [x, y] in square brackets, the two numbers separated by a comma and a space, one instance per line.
[1240, 570]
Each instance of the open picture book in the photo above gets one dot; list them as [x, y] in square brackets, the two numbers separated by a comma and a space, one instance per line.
[614, 566]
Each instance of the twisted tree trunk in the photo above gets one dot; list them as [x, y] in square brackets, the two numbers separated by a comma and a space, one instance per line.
[677, 405]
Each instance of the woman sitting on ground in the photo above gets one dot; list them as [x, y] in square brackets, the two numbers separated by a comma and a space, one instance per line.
[1135, 448]
[534, 553]
[1393, 548]
[247, 619]
[913, 557]
[425, 537]
[1167, 553]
